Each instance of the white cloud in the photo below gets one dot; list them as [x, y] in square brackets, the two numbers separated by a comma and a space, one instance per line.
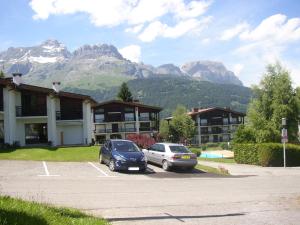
[276, 28]
[136, 29]
[205, 41]
[267, 42]
[131, 52]
[237, 68]
[135, 13]
[158, 29]
[234, 31]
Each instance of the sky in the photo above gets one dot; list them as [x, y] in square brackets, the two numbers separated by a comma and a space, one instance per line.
[245, 35]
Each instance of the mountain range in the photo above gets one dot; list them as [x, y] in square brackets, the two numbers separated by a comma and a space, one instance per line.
[101, 69]
[52, 61]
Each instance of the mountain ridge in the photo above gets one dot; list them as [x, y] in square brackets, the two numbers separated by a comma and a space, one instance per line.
[52, 61]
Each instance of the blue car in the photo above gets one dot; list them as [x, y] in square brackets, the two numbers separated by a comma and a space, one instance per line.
[122, 155]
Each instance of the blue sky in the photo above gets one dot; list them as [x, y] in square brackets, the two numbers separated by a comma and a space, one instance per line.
[244, 35]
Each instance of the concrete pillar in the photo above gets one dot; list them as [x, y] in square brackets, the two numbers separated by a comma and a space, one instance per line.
[137, 122]
[9, 98]
[199, 129]
[51, 120]
[87, 122]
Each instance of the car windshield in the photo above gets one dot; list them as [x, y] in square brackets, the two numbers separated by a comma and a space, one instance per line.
[125, 146]
[178, 149]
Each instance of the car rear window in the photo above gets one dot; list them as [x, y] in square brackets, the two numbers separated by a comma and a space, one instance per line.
[178, 149]
[125, 146]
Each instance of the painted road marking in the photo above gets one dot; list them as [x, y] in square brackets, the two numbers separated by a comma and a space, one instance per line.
[47, 171]
[101, 171]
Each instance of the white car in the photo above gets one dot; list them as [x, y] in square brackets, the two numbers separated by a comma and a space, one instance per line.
[171, 155]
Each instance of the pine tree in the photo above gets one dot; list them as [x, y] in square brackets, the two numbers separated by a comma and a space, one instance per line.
[124, 93]
[2, 74]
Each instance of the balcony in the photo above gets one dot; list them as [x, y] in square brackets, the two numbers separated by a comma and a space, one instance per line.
[74, 115]
[21, 111]
[119, 130]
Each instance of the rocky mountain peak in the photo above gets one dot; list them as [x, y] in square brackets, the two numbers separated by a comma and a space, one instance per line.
[96, 51]
[211, 71]
[167, 69]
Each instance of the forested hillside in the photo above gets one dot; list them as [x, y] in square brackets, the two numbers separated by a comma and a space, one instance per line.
[168, 92]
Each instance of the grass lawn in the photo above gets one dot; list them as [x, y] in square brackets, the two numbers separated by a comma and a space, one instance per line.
[19, 212]
[66, 154]
[221, 160]
[209, 169]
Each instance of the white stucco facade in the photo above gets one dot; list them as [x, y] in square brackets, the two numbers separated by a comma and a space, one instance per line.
[56, 131]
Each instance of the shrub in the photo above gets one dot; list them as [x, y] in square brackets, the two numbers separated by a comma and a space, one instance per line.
[246, 153]
[212, 145]
[225, 145]
[203, 147]
[267, 154]
[196, 151]
[141, 140]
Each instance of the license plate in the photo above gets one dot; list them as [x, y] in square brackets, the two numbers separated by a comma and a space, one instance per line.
[133, 168]
[185, 157]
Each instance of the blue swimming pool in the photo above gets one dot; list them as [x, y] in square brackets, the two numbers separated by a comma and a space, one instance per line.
[210, 155]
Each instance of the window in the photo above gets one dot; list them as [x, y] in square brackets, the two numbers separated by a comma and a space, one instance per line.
[203, 122]
[129, 127]
[101, 128]
[161, 148]
[36, 133]
[145, 126]
[99, 118]
[178, 149]
[225, 121]
[144, 116]
[125, 146]
[129, 116]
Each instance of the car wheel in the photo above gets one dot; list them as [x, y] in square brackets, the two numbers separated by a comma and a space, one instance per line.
[111, 165]
[165, 165]
[101, 159]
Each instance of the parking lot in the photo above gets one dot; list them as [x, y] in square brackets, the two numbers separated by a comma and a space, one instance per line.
[156, 197]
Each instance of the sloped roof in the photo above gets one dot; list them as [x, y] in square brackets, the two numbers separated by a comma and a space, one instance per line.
[8, 81]
[135, 104]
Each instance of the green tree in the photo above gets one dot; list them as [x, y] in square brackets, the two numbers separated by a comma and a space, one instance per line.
[274, 98]
[164, 131]
[182, 127]
[124, 93]
[244, 134]
[2, 75]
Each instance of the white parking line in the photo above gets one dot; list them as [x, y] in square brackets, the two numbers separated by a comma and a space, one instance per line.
[47, 171]
[97, 168]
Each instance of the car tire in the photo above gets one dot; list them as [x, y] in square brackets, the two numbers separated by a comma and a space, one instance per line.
[101, 159]
[111, 165]
[165, 165]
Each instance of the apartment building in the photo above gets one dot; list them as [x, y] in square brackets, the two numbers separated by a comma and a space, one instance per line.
[32, 115]
[118, 119]
[216, 124]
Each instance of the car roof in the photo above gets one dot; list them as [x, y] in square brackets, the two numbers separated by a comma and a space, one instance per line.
[168, 144]
[113, 140]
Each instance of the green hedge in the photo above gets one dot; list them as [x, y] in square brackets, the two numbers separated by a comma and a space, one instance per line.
[246, 153]
[267, 154]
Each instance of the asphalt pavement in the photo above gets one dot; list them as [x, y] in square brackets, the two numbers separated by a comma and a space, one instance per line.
[159, 197]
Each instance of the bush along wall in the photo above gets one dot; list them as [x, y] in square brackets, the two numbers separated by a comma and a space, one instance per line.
[267, 154]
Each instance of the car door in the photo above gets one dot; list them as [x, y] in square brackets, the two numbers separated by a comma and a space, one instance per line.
[106, 152]
[160, 154]
[150, 153]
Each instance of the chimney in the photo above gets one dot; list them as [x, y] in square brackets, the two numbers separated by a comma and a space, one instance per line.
[195, 109]
[56, 86]
[17, 78]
